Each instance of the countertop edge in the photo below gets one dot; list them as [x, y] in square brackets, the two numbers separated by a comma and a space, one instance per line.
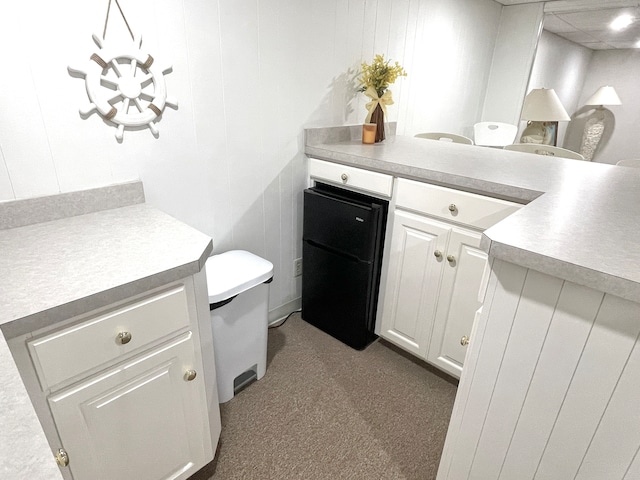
[103, 298]
[553, 259]
[467, 184]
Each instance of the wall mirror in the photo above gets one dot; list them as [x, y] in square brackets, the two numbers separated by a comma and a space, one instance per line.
[579, 51]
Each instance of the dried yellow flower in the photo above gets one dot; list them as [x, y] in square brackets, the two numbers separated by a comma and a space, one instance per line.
[380, 74]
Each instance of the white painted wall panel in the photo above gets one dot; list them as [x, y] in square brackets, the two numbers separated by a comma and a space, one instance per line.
[553, 373]
[6, 189]
[532, 320]
[591, 388]
[616, 443]
[559, 400]
[512, 62]
[248, 75]
[501, 311]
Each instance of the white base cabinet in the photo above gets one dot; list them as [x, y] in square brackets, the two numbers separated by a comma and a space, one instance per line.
[124, 391]
[458, 301]
[435, 269]
[145, 405]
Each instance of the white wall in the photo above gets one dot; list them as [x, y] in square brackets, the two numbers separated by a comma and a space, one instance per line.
[249, 75]
[620, 69]
[576, 72]
[515, 50]
[562, 65]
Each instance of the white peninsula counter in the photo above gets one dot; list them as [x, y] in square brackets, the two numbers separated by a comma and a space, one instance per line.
[550, 381]
[71, 263]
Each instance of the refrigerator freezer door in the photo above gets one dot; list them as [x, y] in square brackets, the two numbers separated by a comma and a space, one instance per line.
[341, 224]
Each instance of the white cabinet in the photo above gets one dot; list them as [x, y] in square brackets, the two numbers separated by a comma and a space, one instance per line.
[122, 390]
[413, 281]
[142, 419]
[435, 269]
[458, 300]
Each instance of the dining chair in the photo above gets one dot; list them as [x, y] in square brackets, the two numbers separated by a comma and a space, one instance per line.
[548, 150]
[629, 162]
[494, 134]
[445, 137]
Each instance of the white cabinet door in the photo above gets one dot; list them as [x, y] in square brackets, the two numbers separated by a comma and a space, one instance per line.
[415, 266]
[458, 300]
[140, 420]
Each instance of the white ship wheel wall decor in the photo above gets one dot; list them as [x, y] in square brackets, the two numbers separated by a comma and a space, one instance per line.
[125, 85]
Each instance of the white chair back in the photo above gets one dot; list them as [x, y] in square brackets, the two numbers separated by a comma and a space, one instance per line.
[541, 149]
[630, 162]
[445, 137]
[494, 134]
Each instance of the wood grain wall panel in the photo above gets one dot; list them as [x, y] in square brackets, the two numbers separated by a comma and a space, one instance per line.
[591, 389]
[500, 312]
[532, 320]
[573, 319]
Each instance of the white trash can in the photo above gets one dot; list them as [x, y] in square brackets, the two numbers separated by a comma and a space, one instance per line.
[238, 285]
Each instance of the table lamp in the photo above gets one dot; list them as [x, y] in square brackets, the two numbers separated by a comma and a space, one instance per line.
[596, 123]
[541, 108]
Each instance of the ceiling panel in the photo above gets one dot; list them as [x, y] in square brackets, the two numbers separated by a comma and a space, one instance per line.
[586, 22]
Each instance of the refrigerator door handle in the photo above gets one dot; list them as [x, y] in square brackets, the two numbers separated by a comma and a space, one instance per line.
[335, 251]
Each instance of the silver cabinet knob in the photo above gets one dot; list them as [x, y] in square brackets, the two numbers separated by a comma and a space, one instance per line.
[453, 208]
[437, 254]
[451, 258]
[344, 177]
[464, 341]
[190, 375]
[62, 458]
[123, 338]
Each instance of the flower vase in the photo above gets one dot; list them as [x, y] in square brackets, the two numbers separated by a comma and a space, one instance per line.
[377, 117]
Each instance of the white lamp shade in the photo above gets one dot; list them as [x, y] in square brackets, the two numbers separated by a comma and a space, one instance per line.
[543, 105]
[604, 96]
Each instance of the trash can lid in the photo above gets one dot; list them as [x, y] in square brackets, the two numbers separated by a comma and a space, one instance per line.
[233, 272]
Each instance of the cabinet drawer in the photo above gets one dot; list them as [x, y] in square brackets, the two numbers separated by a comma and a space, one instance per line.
[68, 352]
[453, 205]
[352, 177]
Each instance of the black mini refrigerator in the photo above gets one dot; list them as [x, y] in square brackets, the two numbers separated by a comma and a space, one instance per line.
[343, 237]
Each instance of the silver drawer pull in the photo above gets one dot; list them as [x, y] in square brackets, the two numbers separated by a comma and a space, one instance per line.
[344, 177]
[123, 338]
[464, 341]
[453, 208]
[451, 258]
[190, 375]
[437, 254]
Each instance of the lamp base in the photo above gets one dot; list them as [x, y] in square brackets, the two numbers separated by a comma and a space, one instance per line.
[538, 132]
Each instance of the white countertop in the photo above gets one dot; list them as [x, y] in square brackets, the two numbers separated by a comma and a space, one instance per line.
[581, 222]
[56, 269]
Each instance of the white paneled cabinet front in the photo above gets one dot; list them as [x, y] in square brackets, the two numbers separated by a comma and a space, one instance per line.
[458, 300]
[143, 419]
[435, 270]
[415, 268]
[122, 390]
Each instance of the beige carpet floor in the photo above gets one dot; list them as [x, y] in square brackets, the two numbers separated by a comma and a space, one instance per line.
[326, 411]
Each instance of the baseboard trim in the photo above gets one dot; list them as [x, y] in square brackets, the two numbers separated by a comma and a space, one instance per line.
[280, 313]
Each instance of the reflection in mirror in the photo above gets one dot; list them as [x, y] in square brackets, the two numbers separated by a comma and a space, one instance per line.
[578, 53]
